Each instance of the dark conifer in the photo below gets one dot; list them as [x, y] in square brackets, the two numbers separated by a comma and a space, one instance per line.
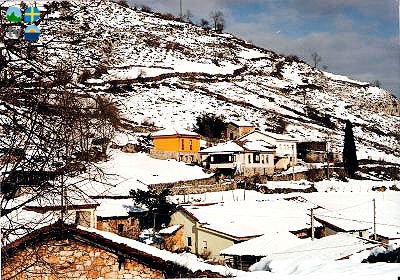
[349, 151]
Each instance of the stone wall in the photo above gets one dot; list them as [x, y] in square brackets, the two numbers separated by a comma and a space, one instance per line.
[252, 171]
[127, 227]
[179, 156]
[174, 242]
[69, 259]
[186, 189]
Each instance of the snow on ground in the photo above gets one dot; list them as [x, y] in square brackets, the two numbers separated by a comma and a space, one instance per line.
[126, 171]
[331, 271]
[251, 53]
[178, 66]
[185, 260]
[343, 78]
[372, 153]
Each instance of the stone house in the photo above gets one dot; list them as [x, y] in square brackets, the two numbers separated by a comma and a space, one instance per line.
[286, 147]
[236, 129]
[179, 144]
[173, 238]
[240, 157]
[62, 251]
[120, 216]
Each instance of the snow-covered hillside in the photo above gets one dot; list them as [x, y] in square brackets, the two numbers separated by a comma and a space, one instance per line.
[169, 72]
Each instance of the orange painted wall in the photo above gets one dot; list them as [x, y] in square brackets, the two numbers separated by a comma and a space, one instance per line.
[174, 144]
[245, 129]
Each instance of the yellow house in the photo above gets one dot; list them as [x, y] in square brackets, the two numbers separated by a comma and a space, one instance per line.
[202, 240]
[179, 144]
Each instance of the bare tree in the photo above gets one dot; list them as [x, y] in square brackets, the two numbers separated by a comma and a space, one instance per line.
[376, 83]
[187, 16]
[316, 58]
[48, 126]
[205, 24]
[218, 20]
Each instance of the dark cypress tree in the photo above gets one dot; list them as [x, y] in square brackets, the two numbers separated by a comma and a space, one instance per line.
[349, 151]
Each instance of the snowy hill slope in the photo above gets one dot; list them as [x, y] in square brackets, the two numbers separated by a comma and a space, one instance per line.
[169, 72]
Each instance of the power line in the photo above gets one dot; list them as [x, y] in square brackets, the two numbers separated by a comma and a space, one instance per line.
[353, 206]
[355, 220]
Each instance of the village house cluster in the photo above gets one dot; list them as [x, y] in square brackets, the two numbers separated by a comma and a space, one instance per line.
[104, 234]
[246, 150]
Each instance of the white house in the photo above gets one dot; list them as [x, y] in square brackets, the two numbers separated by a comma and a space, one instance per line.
[242, 157]
[286, 146]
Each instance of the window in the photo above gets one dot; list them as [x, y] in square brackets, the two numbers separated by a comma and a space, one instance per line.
[204, 245]
[189, 241]
[120, 228]
[83, 218]
[191, 145]
[183, 144]
[231, 136]
[256, 158]
[249, 158]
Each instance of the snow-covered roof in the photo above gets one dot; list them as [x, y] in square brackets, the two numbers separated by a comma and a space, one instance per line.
[21, 222]
[333, 247]
[249, 218]
[116, 208]
[242, 123]
[188, 261]
[342, 222]
[174, 131]
[170, 230]
[347, 207]
[230, 146]
[258, 145]
[264, 245]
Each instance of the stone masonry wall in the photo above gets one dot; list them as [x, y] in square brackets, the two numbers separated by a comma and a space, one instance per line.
[194, 189]
[131, 227]
[68, 259]
[179, 156]
[174, 242]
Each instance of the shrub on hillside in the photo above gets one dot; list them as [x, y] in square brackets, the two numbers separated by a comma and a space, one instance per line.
[210, 125]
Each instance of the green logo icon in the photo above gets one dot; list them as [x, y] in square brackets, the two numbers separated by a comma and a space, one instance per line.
[14, 15]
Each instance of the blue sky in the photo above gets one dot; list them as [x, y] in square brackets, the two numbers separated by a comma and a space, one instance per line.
[357, 38]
